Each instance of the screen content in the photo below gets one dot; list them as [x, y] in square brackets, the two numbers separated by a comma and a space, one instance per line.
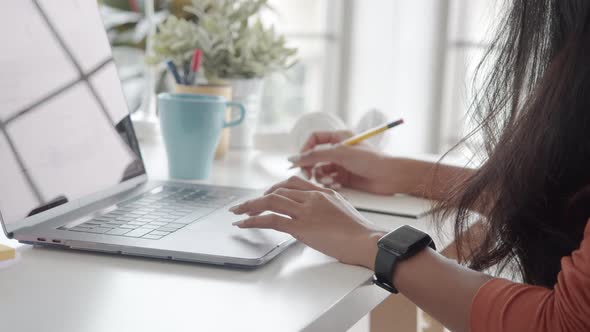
[65, 130]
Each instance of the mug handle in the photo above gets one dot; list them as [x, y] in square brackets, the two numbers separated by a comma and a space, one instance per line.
[240, 119]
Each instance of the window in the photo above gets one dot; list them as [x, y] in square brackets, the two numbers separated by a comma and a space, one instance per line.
[471, 24]
[312, 27]
[415, 59]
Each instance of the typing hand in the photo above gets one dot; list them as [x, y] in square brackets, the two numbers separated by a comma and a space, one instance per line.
[316, 216]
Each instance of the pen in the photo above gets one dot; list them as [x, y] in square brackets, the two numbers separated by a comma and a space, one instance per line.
[186, 73]
[358, 138]
[195, 65]
[172, 68]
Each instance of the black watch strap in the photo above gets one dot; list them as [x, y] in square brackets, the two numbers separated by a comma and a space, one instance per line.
[398, 245]
[385, 262]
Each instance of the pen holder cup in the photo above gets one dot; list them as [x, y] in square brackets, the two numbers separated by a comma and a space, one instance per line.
[221, 90]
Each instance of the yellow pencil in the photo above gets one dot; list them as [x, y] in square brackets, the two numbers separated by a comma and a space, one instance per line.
[371, 132]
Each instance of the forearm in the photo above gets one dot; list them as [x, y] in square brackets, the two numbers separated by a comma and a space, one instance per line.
[439, 286]
[429, 180]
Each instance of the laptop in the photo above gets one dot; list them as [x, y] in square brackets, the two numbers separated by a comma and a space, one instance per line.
[71, 171]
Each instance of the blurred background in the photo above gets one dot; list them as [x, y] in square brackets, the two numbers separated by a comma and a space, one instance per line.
[410, 59]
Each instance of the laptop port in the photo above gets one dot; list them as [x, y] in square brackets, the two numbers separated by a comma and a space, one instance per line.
[41, 239]
[56, 241]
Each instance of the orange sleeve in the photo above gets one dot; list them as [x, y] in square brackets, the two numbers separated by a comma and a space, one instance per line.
[501, 305]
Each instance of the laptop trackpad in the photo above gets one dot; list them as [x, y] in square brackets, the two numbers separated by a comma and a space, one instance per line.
[215, 234]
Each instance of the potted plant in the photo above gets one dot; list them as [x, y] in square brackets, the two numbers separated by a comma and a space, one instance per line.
[237, 50]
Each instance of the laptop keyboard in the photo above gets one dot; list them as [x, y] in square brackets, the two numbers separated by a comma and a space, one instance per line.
[159, 212]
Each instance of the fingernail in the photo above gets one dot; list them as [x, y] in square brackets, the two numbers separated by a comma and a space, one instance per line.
[295, 158]
[234, 208]
[336, 186]
[238, 223]
[326, 180]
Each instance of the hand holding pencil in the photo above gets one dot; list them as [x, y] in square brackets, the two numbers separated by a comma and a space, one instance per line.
[335, 160]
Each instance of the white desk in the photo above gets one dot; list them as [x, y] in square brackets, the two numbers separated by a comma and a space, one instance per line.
[302, 289]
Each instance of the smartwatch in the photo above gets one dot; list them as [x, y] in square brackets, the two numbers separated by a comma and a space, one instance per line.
[396, 246]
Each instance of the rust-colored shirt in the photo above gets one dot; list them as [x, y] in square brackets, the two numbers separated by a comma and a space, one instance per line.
[501, 305]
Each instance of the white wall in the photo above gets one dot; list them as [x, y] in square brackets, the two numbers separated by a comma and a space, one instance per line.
[395, 65]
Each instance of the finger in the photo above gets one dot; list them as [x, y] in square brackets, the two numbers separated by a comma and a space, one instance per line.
[294, 159]
[320, 137]
[271, 202]
[294, 182]
[317, 150]
[332, 174]
[334, 186]
[337, 154]
[268, 221]
[327, 180]
[307, 171]
[324, 171]
[295, 195]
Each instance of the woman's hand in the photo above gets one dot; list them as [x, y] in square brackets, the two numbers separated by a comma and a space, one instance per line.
[318, 217]
[358, 167]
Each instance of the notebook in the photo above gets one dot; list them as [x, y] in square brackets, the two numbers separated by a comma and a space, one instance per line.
[395, 205]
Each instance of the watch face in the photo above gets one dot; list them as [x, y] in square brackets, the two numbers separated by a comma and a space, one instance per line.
[402, 240]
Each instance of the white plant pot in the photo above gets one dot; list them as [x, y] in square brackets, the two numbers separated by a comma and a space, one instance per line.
[248, 92]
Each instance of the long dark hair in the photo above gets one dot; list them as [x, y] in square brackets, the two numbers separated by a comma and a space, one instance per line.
[533, 112]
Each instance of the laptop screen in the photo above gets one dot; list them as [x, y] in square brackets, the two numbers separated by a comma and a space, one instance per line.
[65, 130]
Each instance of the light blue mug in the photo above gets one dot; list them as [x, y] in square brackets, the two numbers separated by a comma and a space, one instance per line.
[191, 126]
